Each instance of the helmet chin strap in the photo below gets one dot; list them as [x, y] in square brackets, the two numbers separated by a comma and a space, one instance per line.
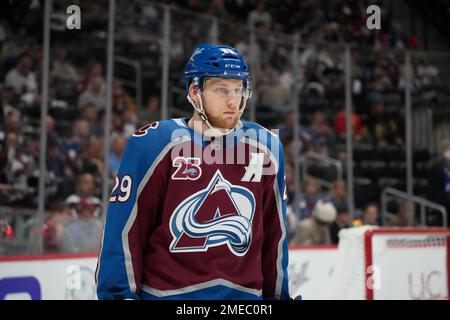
[201, 111]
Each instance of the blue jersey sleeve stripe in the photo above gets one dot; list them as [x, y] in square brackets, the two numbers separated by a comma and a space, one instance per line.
[132, 217]
[282, 290]
[274, 150]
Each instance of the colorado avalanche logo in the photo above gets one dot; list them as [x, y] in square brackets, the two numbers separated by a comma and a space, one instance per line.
[220, 214]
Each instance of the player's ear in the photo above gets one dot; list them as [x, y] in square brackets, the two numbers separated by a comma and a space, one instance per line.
[193, 90]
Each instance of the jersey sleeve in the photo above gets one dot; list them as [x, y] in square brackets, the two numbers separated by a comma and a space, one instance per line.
[130, 218]
[275, 248]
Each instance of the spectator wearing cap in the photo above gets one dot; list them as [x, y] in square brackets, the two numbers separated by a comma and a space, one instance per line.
[316, 229]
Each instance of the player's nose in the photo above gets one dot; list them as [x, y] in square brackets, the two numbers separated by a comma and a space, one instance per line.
[232, 104]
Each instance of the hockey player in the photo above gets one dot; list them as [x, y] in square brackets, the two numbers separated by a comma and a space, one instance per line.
[198, 206]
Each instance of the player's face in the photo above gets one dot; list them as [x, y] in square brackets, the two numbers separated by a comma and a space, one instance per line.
[221, 100]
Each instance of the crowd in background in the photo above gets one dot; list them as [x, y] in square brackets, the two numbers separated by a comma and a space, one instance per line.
[78, 99]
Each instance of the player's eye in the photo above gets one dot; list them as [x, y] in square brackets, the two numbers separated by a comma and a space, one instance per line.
[222, 91]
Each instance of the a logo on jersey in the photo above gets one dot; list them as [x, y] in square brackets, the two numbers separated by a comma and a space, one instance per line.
[144, 130]
[187, 168]
[253, 171]
[220, 214]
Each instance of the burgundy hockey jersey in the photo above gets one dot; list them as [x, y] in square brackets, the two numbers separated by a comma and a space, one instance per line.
[196, 218]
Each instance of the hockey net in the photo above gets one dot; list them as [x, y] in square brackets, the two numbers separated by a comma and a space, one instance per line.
[391, 263]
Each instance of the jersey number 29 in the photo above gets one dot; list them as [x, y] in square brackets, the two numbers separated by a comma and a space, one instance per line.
[125, 189]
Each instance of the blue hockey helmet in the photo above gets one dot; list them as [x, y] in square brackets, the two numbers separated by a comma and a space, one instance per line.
[219, 61]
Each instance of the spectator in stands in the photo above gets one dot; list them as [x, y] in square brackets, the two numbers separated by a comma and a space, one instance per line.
[117, 149]
[402, 217]
[273, 94]
[96, 70]
[52, 134]
[89, 113]
[92, 159]
[340, 125]
[338, 193]
[259, 14]
[439, 179]
[286, 133]
[121, 99]
[343, 220]
[6, 103]
[308, 200]
[125, 123]
[16, 170]
[23, 80]
[62, 68]
[217, 9]
[370, 216]
[58, 177]
[72, 148]
[95, 94]
[322, 136]
[153, 107]
[398, 38]
[56, 238]
[316, 229]
[384, 129]
[32, 153]
[12, 123]
[378, 78]
[85, 189]
[85, 232]
[427, 75]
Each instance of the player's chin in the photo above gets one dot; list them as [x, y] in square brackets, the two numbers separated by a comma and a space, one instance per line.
[230, 123]
[226, 122]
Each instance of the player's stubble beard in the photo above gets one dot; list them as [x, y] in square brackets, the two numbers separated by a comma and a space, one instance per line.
[223, 122]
